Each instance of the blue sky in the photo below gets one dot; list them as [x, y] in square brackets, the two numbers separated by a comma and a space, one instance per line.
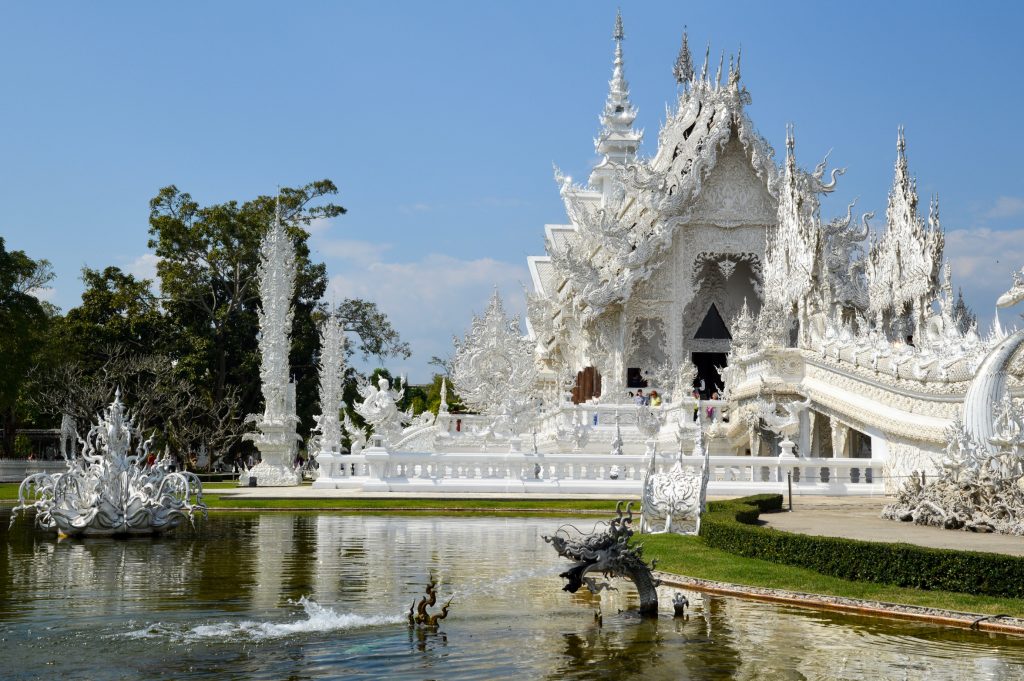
[440, 121]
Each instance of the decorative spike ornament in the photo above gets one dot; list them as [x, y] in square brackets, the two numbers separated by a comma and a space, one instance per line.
[683, 69]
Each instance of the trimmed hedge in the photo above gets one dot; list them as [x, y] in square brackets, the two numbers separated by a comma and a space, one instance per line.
[731, 526]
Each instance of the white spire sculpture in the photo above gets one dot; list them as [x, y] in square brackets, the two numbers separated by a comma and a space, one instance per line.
[332, 382]
[617, 141]
[276, 439]
[493, 370]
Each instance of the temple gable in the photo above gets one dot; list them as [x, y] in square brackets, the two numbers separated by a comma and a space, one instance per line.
[733, 195]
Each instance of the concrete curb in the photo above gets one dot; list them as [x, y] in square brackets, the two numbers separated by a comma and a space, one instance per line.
[855, 606]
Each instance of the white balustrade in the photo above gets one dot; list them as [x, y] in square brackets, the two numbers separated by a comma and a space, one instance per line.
[525, 472]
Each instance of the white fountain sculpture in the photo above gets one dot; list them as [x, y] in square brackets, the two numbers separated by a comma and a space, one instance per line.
[493, 370]
[675, 501]
[110, 489]
[332, 383]
[276, 439]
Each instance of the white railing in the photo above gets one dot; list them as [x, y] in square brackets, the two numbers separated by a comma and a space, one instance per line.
[377, 470]
[475, 432]
[16, 470]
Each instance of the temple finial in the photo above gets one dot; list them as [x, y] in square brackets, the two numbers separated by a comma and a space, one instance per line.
[707, 58]
[617, 141]
[683, 70]
[901, 143]
[718, 74]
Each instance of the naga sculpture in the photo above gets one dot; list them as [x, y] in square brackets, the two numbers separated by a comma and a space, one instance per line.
[418, 614]
[110, 489]
[610, 553]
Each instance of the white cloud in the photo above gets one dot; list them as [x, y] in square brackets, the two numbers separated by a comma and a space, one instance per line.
[350, 249]
[431, 299]
[46, 293]
[143, 267]
[984, 261]
[418, 207]
[1006, 207]
[318, 225]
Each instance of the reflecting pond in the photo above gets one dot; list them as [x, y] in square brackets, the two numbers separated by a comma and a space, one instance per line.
[316, 596]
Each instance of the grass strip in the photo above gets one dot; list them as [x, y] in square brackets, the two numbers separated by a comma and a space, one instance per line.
[557, 506]
[690, 556]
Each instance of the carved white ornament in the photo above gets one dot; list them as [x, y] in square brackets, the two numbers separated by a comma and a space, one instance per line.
[493, 369]
[111, 488]
[276, 437]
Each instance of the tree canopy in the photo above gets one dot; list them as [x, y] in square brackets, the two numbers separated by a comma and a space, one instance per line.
[186, 354]
[24, 321]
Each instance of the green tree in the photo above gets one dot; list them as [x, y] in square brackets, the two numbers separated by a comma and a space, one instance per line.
[24, 322]
[117, 310]
[208, 267]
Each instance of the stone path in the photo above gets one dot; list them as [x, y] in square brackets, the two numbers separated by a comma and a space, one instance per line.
[858, 518]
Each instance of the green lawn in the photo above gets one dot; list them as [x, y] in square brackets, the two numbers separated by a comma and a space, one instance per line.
[691, 557]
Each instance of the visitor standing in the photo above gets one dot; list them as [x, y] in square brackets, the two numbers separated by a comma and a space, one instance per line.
[655, 399]
[640, 400]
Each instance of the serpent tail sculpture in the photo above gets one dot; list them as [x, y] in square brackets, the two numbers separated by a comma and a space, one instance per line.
[608, 552]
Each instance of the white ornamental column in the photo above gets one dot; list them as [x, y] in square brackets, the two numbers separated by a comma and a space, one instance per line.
[332, 382]
[276, 438]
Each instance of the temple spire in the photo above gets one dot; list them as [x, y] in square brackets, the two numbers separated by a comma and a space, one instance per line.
[618, 141]
[683, 70]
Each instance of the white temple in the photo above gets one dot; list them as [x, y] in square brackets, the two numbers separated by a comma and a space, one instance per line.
[822, 351]
[710, 255]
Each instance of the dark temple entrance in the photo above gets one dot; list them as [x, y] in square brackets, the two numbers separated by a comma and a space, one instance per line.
[706, 371]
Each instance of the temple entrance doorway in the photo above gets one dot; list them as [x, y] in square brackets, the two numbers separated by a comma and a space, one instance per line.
[706, 371]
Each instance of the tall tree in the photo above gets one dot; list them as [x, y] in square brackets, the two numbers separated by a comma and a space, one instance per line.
[117, 310]
[963, 315]
[24, 320]
[208, 269]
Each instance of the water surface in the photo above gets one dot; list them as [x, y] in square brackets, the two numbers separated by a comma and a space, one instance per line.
[319, 596]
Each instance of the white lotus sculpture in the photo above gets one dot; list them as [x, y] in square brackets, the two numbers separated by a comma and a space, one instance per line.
[109, 489]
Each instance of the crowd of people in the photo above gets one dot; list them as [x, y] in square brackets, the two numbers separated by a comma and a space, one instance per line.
[653, 399]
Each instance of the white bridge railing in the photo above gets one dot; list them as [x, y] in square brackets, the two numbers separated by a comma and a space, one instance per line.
[377, 470]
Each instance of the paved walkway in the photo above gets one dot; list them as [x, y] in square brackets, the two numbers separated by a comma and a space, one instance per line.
[858, 518]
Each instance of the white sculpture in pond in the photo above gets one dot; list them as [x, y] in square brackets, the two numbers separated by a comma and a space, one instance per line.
[276, 438]
[111, 489]
[674, 501]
